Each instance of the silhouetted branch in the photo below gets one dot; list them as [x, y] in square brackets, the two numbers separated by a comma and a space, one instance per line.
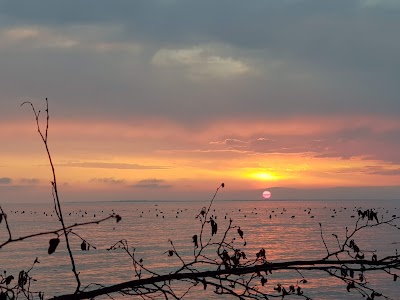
[56, 199]
[292, 265]
[56, 231]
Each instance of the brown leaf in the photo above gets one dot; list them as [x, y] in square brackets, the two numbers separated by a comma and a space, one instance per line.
[350, 285]
[8, 279]
[204, 284]
[53, 245]
[263, 281]
[83, 246]
[118, 218]
[194, 238]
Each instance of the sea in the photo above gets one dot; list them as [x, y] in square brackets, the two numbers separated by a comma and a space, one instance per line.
[287, 230]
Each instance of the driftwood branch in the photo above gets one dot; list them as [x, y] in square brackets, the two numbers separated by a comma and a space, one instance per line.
[358, 265]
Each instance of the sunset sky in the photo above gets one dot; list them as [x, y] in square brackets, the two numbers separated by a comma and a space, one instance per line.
[166, 99]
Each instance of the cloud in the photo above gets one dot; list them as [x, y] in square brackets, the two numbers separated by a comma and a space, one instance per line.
[279, 144]
[360, 170]
[103, 165]
[389, 4]
[107, 180]
[29, 181]
[109, 47]
[381, 170]
[36, 37]
[199, 62]
[231, 142]
[152, 184]
[5, 180]
[353, 138]
[78, 37]
[329, 58]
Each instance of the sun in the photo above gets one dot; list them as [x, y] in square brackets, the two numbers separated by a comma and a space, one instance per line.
[266, 194]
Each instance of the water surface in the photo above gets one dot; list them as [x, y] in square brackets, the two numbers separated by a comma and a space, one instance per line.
[287, 230]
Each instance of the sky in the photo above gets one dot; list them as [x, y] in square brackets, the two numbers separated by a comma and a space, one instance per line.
[166, 99]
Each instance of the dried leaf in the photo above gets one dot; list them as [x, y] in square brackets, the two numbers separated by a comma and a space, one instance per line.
[360, 256]
[278, 288]
[263, 281]
[194, 238]
[299, 291]
[22, 278]
[214, 227]
[118, 218]
[240, 232]
[53, 245]
[84, 246]
[8, 279]
[350, 285]
[261, 253]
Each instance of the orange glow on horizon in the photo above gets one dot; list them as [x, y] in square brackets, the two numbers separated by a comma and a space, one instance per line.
[116, 156]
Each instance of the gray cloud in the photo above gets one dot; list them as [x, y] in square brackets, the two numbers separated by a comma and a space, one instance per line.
[231, 143]
[386, 170]
[293, 57]
[285, 144]
[108, 180]
[379, 170]
[29, 181]
[152, 183]
[5, 180]
[354, 141]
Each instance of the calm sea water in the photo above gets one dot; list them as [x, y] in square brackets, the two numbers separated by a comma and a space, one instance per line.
[292, 233]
